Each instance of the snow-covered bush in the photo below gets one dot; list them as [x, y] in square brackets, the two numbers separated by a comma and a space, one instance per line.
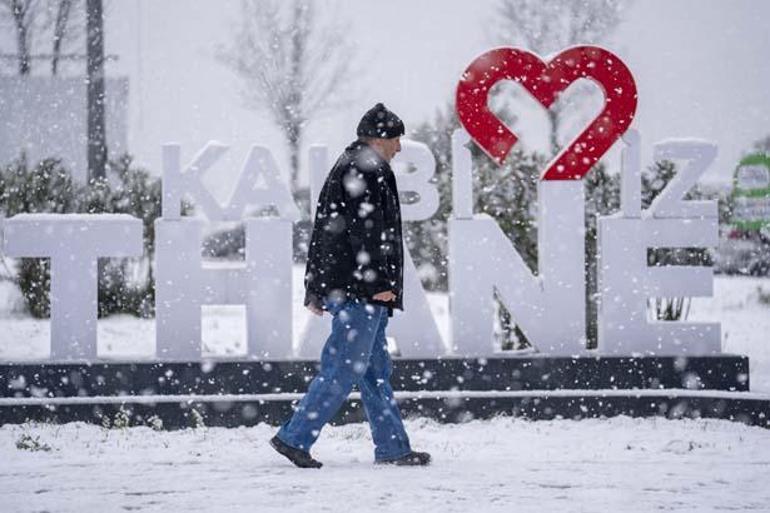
[763, 296]
[27, 442]
[45, 188]
[125, 285]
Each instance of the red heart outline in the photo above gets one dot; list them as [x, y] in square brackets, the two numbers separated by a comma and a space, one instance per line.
[545, 82]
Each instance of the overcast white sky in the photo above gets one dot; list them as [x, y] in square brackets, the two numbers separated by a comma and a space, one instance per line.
[701, 69]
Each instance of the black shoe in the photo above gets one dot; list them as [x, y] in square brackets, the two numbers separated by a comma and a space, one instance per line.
[414, 458]
[300, 458]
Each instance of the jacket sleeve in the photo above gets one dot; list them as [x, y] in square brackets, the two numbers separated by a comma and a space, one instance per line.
[364, 203]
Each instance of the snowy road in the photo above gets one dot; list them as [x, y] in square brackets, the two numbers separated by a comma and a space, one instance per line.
[620, 464]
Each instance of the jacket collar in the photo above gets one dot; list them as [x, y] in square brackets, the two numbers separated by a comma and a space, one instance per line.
[358, 145]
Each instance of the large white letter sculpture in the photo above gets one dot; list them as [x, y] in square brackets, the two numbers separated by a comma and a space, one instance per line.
[262, 283]
[73, 242]
[548, 307]
[626, 282]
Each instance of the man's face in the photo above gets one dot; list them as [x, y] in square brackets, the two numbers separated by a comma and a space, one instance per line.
[390, 147]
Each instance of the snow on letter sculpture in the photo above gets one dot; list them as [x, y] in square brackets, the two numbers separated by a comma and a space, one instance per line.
[262, 282]
[73, 242]
[626, 282]
[549, 307]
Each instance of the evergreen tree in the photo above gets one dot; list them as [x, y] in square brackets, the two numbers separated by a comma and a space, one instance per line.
[126, 285]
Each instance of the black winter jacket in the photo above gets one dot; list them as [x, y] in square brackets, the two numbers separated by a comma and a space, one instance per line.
[356, 249]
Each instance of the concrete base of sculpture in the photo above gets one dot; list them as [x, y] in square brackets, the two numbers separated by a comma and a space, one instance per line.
[233, 393]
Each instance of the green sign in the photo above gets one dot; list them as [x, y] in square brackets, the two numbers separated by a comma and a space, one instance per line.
[751, 192]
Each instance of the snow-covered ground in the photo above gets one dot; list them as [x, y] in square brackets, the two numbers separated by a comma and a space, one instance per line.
[745, 323]
[620, 464]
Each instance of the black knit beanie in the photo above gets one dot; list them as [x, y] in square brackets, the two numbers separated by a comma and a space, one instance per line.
[381, 123]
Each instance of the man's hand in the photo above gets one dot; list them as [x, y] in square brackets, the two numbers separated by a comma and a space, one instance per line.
[386, 296]
[315, 310]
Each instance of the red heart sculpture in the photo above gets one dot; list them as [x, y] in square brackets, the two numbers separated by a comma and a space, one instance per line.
[545, 82]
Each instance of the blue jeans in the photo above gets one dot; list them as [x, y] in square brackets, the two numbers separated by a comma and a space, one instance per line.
[355, 352]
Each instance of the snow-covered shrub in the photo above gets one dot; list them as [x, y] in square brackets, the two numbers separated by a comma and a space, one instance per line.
[45, 188]
[27, 442]
[155, 423]
[122, 418]
[125, 285]
[763, 296]
[196, 419]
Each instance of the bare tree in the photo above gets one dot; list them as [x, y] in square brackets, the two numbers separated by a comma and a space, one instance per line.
[544, 27]
[23, 14]
[63, 31]
[33, 21]
[291, 63]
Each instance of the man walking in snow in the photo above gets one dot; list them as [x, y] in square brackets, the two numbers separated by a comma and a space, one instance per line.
[355, 272]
